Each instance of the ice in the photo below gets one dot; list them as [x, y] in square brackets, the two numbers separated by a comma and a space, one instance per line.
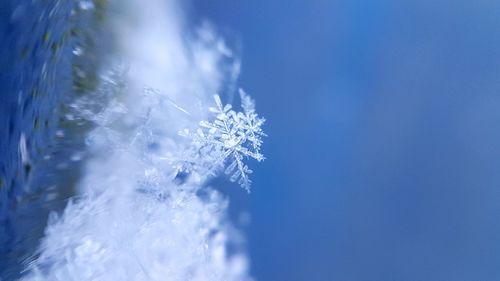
[136, 215]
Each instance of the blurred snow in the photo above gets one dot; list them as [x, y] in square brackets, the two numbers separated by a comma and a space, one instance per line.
[132, 220]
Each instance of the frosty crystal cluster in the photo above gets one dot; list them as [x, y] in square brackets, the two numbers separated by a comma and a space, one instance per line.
[224, 143]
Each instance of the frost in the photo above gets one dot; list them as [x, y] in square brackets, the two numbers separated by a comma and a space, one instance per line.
[137, 215]
[224, 143]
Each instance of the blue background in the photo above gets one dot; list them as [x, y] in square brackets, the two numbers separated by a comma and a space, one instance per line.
[384, 137]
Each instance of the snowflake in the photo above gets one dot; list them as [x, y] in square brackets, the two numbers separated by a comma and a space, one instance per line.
[227, 140]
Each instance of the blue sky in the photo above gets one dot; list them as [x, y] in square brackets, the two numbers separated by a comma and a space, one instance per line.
[383, 149]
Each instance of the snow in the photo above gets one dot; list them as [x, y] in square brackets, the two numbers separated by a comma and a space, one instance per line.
[144, 210]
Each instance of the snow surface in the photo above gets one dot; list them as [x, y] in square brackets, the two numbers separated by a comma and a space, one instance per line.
[139, 215]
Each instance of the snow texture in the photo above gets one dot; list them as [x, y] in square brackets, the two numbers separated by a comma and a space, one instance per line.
[138, 215]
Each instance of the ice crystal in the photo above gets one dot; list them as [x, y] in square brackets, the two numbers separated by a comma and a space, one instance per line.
[135, 215]
[224, 143]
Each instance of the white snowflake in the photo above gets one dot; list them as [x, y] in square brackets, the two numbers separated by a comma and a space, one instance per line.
[227, 140]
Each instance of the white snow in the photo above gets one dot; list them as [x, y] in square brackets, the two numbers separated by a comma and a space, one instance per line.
[133, 219]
